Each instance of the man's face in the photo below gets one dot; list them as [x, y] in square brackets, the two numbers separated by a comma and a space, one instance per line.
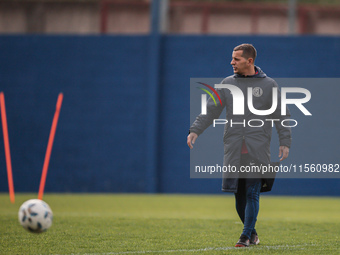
[239, 63]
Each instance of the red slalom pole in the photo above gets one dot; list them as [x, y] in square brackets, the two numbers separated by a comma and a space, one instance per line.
[49, 146]
[7, 149]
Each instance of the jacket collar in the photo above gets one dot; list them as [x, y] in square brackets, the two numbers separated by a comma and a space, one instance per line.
[258, 74]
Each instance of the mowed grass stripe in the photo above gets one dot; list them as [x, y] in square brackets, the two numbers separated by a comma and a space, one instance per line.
[201, 250]
[209, 249]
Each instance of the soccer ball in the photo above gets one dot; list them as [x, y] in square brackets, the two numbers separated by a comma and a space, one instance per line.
[35, 216]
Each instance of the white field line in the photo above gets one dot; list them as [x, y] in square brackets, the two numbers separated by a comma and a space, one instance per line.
[202, 250]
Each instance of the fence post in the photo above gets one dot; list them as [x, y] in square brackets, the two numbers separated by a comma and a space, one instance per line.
[153, 102]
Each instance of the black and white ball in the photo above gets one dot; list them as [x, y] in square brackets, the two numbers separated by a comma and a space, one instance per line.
[35, 216]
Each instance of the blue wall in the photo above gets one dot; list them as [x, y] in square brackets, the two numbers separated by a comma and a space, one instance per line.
[100, 144]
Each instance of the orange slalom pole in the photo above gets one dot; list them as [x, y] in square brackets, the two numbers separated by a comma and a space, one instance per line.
[49, 147]
[7, 149]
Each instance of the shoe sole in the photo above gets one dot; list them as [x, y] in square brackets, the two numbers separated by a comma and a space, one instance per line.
[240, 245]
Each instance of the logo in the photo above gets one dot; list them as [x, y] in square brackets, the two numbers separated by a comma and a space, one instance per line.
[211, 95]
[257, 92]
[204, 97]
[239, 101]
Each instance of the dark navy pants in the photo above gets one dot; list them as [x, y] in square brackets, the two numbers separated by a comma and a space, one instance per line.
[247, 200]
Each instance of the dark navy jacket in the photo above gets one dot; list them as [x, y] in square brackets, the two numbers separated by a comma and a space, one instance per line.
[257, 139]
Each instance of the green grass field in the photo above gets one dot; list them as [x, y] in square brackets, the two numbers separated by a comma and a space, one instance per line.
[174, 224]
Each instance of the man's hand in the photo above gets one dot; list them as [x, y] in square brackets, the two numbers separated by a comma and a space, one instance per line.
[191, 139]
[284, 152]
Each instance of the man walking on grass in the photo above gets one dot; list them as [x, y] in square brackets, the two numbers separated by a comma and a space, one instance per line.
[246, 145]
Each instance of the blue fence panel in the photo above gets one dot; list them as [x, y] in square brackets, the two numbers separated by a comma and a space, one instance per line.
[100, 144]
[185, 57]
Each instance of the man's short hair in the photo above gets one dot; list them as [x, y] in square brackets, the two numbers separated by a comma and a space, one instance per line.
[249, 50]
